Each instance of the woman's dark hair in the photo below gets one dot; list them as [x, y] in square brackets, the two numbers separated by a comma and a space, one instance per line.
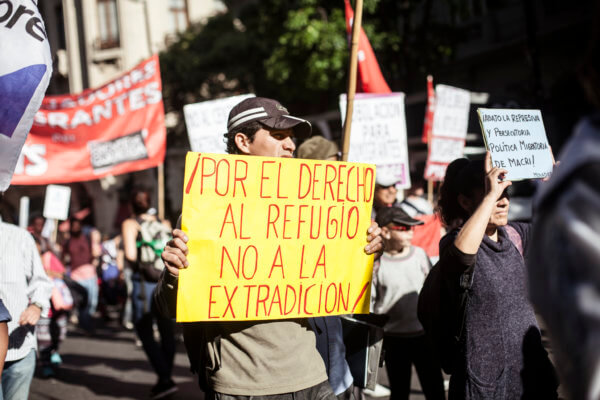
[464, 177]
[248, 129]
[140, 204]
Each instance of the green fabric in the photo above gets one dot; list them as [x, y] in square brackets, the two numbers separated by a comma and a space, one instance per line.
[156, 245]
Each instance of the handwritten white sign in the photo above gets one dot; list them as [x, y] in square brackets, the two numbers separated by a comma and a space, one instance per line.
[449, 131]
[206, 123]
[517, 142]
[451, 116]
[378, 133]
[446, 150]
[56, 203]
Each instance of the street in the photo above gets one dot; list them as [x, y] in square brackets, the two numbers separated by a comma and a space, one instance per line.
[110, 366]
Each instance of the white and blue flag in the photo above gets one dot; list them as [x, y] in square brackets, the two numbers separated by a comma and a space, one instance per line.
[25, 70]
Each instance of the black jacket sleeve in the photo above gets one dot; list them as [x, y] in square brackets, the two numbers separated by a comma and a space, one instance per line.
[165, 294]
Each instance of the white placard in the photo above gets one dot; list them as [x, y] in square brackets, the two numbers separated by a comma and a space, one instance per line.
[206, 123]
[517, 142]
[451, 116]
[48, 228]
[378, 133]
[445, 150]
[56, 203]
[449, 130]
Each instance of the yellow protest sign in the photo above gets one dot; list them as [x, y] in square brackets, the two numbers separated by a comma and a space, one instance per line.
[273, 238]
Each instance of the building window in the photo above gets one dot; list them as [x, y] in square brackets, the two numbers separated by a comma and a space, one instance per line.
[108, 24]
[179, 15]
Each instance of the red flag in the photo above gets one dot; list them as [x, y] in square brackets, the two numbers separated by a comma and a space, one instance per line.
[427, 236]
[428, 125]
[370, 78]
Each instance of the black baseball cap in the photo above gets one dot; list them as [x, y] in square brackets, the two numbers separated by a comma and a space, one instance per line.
[395, 215]
[268, 112]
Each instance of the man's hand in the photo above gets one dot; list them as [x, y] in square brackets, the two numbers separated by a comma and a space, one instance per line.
[30, 316]
[375, 242]
[175, 254]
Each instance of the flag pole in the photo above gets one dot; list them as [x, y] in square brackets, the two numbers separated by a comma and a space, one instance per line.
[161, 191]
[161, 167]
[429, 181]
[356, 25]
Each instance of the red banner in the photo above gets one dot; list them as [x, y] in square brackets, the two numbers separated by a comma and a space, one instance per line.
[112, 130]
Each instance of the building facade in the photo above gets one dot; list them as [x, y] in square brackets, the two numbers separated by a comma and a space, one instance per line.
[93, 42]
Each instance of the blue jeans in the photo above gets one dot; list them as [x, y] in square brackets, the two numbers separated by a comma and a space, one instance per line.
[127, 308]
[85, 313]
[16, 378]
[160, 355]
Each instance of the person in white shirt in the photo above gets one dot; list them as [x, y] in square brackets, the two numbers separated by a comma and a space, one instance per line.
[25, 289]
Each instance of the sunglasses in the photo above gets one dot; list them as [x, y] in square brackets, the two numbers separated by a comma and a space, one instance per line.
[400, 228]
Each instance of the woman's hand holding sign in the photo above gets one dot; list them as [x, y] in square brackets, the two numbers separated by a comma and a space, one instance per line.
[175, 254]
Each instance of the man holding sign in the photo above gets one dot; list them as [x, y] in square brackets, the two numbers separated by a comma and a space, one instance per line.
[236, 359]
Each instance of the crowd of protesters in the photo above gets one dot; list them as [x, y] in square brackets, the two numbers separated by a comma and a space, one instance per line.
[70, 276]
[477, 256]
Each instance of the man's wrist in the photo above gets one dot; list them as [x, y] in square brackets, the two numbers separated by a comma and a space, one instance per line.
[38, 305]
[170, 280]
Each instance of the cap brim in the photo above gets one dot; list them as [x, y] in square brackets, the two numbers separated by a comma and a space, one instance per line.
[301, 127]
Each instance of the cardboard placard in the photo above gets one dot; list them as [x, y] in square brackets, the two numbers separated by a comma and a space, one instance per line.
[517, 142]
[274, 238]
[449, 131]
[378, 134]
[56, 202]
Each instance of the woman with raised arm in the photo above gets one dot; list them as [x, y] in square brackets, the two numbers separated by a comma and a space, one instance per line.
[501, 354]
